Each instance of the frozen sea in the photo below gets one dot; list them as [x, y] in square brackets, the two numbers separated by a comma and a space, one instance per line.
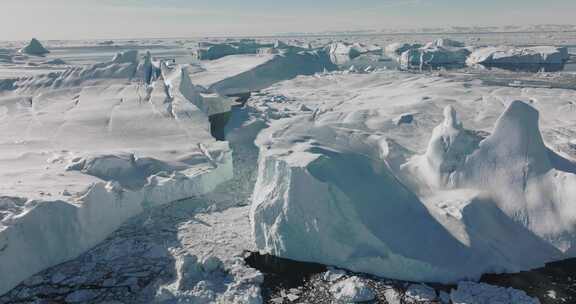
[189, 218]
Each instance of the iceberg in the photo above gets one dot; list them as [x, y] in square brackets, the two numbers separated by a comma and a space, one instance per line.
[34, 48]
[510, 56]
[239, 74]
[85, 150]
[438, 53]
[213, 51]
[395, 50]
[334, 188]
[341, 52]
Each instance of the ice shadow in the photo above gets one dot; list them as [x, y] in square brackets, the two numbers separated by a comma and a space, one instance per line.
[388, 209]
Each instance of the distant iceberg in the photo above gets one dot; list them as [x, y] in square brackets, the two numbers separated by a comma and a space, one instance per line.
[437, 53]
[506, 56]
[34, 48]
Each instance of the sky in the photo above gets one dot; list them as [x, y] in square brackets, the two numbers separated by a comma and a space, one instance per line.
[101, 19]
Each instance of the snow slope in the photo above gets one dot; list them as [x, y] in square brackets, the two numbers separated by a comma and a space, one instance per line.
[341, 183]
[84, 150]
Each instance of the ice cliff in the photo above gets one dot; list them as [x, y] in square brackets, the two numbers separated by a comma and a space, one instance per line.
[329, 192]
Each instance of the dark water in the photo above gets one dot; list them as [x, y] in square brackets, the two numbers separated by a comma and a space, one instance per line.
[557, 279]
[283, 273]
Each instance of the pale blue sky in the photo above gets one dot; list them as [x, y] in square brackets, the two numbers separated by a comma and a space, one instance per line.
[78, 19]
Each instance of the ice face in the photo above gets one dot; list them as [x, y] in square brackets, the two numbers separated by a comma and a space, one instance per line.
[509, 56]
[34, 48]
[475, 194]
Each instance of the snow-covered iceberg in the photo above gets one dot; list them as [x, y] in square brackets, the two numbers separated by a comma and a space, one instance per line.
[352, 49]
[343, 186]
[35, 48]
[247, 73]
[213, 51]
[84, 150]
[509, 56]
[396, 49]
[342, 52]
[127, 65]
[438, 53]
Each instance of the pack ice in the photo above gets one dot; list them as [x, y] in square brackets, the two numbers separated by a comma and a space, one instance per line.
[345, 184]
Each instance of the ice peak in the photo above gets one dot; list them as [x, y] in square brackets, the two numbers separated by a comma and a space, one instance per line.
[517, 135]
[34, 48]
[451, 118]
[518, 114]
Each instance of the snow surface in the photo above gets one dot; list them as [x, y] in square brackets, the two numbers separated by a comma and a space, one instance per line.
[342, 185]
